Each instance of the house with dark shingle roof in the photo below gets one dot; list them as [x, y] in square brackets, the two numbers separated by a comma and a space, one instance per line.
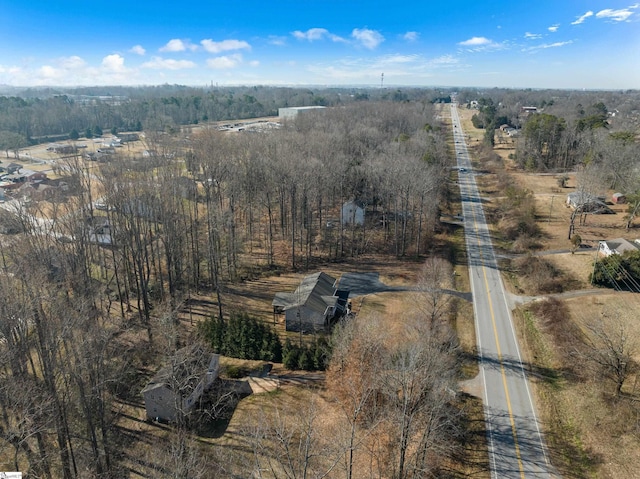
[176, 389]
[313, 306]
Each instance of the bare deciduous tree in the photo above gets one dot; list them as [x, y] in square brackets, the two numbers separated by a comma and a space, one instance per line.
[419, 380]
[433, 300]
[354, 379]
[611, 346]
[290, 444]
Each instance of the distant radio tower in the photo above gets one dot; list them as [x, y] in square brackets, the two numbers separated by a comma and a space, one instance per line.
[381, 80]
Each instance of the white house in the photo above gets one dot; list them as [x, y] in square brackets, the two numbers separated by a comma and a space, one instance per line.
[587, 203]
[617, 246]
[178, 387]
[353, 213]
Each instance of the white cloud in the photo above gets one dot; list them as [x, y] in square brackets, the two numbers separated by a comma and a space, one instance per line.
[398, 59]
[159, 63]
[277, 40]
[476, 42]
[12, 70]
[444, 60]
[368, 38]
[225, 62]
[532, 36]
[114, 63]
[412, 62]
[554, 28]
[481, 44]
[411, 36]
[72, 63]
[617, 15]
[225, 45]
[138, 50]
[314, 34]
[398, 67]
[177, 45]
[548, 45]
[254, 63]
[582, 18]
[556, 44]
[73, 71]
[49, 73]
[62, 68]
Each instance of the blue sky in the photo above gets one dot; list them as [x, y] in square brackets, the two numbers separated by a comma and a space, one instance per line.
[537, 44]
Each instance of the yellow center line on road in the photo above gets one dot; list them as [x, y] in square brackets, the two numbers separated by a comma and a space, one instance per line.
[502, 369]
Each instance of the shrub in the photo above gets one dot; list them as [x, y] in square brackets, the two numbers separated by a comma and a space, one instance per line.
[312, 357]
[243, 337]
[540, 276]
[290, 356]
[524, 243]
[234, 371]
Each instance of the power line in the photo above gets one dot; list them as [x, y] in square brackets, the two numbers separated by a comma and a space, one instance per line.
[605, 268]
[622, 271]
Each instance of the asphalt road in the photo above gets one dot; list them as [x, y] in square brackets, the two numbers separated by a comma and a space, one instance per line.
[516, 444]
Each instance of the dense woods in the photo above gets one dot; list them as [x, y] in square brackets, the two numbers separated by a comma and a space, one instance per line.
[208, 209]
[194, 217]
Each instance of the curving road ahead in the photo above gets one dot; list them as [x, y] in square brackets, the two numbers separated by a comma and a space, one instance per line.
[516, 445]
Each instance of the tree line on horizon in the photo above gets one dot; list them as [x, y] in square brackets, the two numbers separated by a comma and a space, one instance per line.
[35, 116]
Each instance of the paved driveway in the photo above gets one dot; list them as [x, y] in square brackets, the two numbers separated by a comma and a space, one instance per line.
[361, 284]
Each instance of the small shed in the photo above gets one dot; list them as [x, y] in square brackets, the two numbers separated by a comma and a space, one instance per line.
[619, 198]
[100, 231]
[62, 149]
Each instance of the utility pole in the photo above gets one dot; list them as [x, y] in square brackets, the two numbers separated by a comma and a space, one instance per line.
[381, 81]
[595, 262]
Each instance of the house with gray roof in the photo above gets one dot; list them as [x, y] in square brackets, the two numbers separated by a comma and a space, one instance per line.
[177, 388]
[617, 246]
[313, 306]
[585, 202]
